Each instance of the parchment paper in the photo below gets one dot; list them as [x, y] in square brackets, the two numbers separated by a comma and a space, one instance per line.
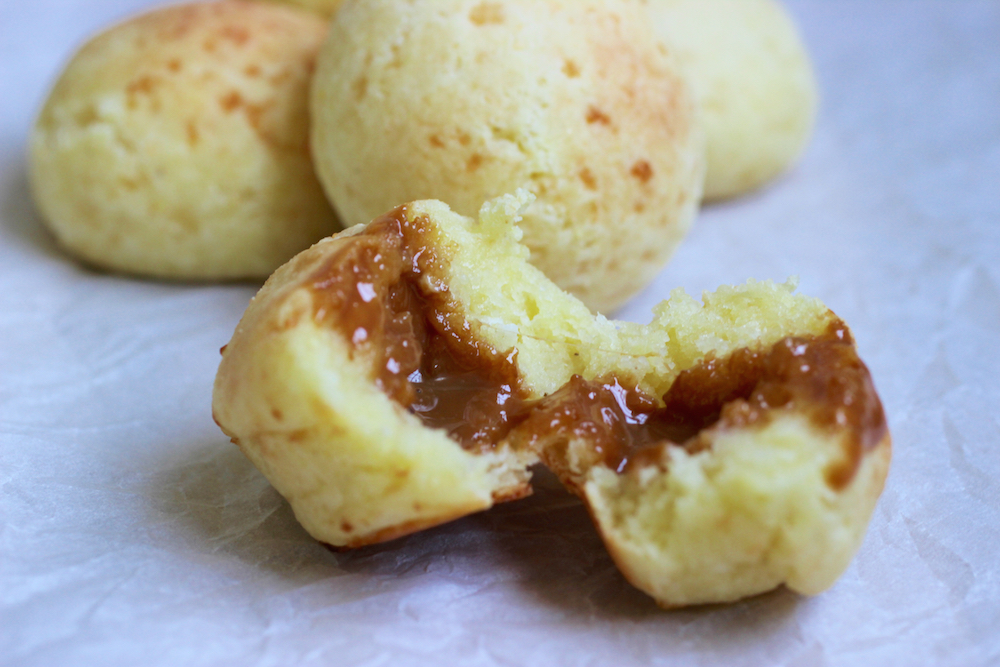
[132, 532]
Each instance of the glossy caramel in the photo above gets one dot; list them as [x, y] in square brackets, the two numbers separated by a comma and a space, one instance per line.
[821, 376]
[383, 289]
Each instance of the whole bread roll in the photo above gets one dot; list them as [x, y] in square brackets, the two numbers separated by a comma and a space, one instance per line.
[727, 447]
[175, 144]
[756, 86]
[464, 100]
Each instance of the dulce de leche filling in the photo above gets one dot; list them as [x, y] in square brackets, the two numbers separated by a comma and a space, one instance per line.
[383, 290]
[820, 375]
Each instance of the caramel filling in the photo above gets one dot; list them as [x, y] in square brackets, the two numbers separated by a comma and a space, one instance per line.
[383, 291]
[820, 375]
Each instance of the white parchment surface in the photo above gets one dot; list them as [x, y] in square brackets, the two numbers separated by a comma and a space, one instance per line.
[133, 533]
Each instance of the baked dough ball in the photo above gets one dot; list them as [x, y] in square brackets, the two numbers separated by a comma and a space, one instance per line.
[324, 7]
[753, 77]
[723, 449]
[465, 100]
[315, 388]
[175, 145]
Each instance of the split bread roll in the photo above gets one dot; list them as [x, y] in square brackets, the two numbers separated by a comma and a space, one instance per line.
[407, 372]
[465, 100]
[175, 144]
[754, 81]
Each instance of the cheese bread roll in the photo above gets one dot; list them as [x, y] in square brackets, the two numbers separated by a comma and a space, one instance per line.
[754, 81]
[465, 100]
[382, 386]
[175, 145]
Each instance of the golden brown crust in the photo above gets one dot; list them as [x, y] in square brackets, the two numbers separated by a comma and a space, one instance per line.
[408, 527]
[402, 529]
[512, 493]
